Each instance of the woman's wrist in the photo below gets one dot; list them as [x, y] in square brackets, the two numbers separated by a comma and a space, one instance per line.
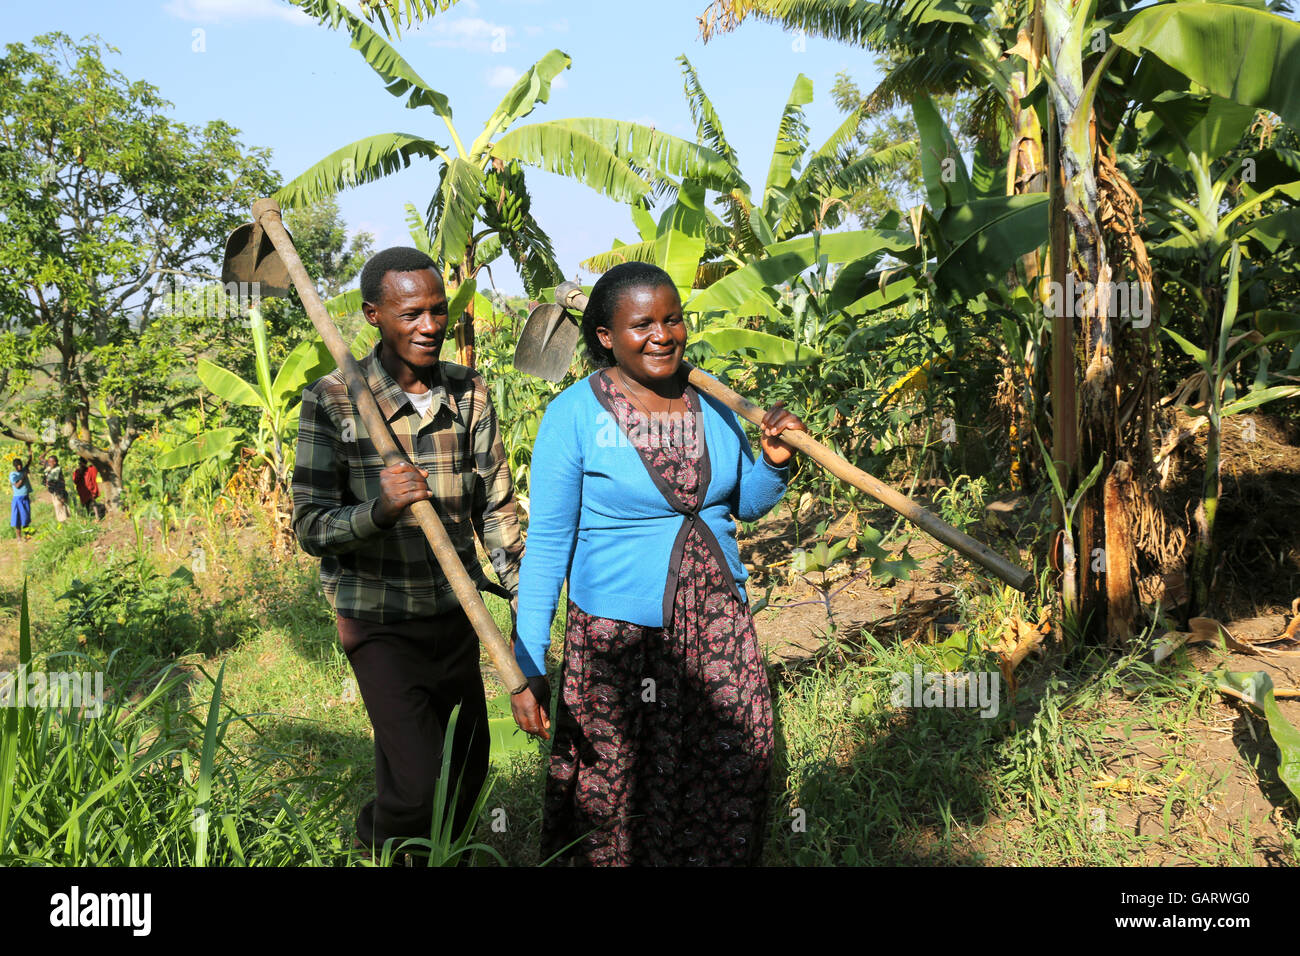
[771, 464]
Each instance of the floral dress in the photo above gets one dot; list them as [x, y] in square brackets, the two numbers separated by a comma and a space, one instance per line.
[664, 735]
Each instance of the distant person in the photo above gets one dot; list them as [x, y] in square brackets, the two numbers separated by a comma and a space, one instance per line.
[20, 513]
[86, 480]
[57, 488]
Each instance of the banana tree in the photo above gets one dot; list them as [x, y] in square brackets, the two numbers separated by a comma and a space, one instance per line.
[277, 398]
[803, 192]
[1239, 59]
[1199, 135]
[935, 47]
[1218, 365]
[1238, 52]
[945, 46]
[481, 205]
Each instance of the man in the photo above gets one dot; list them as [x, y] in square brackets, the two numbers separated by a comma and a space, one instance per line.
[57, 488]
[413, 650]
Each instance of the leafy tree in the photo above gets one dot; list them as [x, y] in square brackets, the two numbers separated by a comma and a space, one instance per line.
[898, 186]
[107, 203]
[320, 236]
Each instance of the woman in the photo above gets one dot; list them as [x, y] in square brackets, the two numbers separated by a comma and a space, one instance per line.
[20, 512]
[57, 488]
[663, 732]
[86, 480]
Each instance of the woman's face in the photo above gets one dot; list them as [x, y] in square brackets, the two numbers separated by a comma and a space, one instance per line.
[648, 337]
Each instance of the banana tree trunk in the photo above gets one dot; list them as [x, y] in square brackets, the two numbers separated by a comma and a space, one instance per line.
[1206, 510]
[465, 336]
[1089, 302]
[1211, 481]
[1027, 175]
[452, 281]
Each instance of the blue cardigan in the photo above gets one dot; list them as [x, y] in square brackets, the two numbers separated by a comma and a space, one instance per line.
[597, 517]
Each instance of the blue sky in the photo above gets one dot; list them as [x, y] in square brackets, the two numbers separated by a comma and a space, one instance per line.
[300, 90]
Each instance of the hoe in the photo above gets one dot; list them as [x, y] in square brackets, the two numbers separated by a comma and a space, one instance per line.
[546, 347]
[261, 251]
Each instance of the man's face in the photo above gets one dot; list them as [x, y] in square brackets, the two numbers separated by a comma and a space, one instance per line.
[411, 316]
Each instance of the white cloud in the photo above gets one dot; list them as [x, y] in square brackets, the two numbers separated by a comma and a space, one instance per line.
[468, 33]
[502, 77]
[223, 11]
[560, 26]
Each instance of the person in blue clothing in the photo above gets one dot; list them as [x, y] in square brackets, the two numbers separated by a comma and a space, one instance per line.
[663, 733]
[20, 512]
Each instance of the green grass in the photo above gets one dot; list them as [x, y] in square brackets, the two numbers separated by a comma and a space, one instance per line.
[271, 768]
[867, 783]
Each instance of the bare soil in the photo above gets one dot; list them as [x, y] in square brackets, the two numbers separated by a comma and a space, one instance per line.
[1257, 579]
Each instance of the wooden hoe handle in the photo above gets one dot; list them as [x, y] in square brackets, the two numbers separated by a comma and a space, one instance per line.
[571, 296]
[267, 213]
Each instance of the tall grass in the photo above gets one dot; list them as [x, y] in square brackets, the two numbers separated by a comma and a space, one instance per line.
[148, 779]
[123, 786]
[56, 540]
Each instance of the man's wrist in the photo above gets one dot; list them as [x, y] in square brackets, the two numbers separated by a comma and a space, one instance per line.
[366, 521]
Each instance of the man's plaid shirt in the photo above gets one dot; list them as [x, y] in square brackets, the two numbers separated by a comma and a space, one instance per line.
[386, 575]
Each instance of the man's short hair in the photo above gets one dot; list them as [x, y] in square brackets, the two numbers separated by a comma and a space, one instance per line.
[395, 259]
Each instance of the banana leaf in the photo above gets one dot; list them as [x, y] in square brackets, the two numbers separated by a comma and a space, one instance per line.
[987, 236]
[1246, 55]
[1256, 689]
[680, 241]
[761, 346]
[307, 362]
[226, 384]
[942, 168]
[212, 444]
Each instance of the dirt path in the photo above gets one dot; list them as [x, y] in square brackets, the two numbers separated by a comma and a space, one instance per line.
[12, 555]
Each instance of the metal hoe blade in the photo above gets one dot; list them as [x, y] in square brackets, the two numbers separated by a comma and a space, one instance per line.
[251, 257]
[546, 345]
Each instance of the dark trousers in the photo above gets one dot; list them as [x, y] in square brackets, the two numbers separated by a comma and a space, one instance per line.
[411, 674]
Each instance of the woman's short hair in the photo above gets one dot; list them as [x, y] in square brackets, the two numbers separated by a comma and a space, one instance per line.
[604, 298]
